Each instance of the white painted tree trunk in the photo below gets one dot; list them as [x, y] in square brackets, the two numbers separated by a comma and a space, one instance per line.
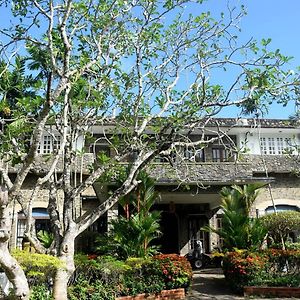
[11, 267]
[63, 274]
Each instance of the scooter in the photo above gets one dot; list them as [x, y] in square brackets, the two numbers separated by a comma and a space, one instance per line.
[199, 259]
[196, 257]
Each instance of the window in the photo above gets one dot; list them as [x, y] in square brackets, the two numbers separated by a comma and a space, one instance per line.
[46, 144]
[288, 144]
[49, 143]
[271, 145]
[219, 154]
[280, 145]
[275, 145]
[20, 231]
[263, 145]
[193, 154]
[42, 222]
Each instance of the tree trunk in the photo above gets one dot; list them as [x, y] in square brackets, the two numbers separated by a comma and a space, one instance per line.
[63, 274]
[10, 266]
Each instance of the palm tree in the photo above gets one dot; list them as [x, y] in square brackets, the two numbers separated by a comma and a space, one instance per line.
[132, 235]
[239, 230]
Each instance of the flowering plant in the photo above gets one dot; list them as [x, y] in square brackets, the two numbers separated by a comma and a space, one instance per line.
[176, 271]
[242, 266]
[270, 267]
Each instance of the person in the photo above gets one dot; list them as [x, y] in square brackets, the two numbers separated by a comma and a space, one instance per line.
[198, 249]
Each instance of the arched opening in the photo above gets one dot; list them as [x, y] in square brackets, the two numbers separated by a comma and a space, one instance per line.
[282, 207]
[42, 222]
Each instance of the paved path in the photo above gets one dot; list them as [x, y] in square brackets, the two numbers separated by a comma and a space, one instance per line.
[209, 284]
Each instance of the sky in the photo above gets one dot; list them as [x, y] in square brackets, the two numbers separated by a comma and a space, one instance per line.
[275, 19]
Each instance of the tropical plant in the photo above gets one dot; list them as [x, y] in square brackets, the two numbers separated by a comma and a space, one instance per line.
[131, 236]
[134, 235]
[46, 238]
[239, 230]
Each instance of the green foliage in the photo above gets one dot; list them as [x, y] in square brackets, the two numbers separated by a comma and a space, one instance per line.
[39, 268]
[40, 292]
[281, 224]
[46, 238]
[292, 246]
[107, 278]
[84, 290]
[271, 267]
[132, 235]
[242, 266]
[105, 268]
[238, 229]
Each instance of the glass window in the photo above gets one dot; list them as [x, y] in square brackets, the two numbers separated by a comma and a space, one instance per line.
[42, 222]
[280, 146]
[56, 142]
[219, 154]
[194, 154]
[263, 145]
[271, 145]
[288, 144]
[49, 144]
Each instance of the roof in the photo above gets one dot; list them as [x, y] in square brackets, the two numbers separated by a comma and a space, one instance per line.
[253, 122]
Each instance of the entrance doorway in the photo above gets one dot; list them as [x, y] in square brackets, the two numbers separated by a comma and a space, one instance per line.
[169, 227]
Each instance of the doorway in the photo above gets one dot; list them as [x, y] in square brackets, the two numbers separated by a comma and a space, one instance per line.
[169, 227]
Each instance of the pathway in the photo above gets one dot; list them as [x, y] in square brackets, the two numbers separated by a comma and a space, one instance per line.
[209, 284]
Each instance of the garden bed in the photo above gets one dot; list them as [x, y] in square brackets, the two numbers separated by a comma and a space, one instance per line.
[272, 291]
[165, 294]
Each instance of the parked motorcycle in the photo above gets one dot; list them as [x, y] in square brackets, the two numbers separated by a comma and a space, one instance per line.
[199, 259]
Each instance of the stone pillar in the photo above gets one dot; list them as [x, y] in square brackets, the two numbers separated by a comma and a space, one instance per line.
[112, 214]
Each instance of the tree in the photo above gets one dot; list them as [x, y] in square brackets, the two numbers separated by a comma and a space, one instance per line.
[239, 230]
[280, 225]
[148, 68]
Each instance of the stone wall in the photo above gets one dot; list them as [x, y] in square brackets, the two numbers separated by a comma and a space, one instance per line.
[285, 190]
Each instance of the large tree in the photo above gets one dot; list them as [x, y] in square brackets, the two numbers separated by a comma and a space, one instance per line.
[153, 70]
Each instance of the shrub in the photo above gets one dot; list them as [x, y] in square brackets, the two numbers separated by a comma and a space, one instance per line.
[175, 269]
[281, 224]
[143, 277]
[85, 290]
[109, 278]
[40, 292]
[292, 246]
[240, 267]
[271, 267]
[105, 268]
[39, 268]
